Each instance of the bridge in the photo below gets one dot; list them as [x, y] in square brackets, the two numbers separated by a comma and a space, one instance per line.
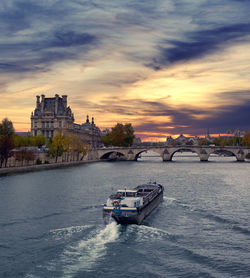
[167, 152]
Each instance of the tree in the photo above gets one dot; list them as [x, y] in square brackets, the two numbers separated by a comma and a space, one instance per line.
[6, 141]
[78, 146]
[120, 135]
[20, 141]
[246, 139]
[23, 154]
[6, 145]
[227, 141]
[55, 145]
[25, 141]
[38, 141]
[203, 142]
[129, 134]
[69, 143]
[29, 155]
[73, 144]
[6, 128]
[107, 139]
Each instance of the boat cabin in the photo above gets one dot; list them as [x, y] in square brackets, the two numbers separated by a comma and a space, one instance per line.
[127, 193]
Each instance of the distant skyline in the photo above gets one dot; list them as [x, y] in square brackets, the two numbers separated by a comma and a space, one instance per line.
[166, 66]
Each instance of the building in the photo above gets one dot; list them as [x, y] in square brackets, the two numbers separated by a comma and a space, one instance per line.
[182, 140]
[52, 115]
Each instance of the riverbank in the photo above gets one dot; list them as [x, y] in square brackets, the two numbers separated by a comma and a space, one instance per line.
[41, 167]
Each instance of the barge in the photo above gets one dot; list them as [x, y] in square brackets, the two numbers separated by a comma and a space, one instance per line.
[131, 206]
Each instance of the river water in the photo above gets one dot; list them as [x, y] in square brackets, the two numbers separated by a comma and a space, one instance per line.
[51, 221]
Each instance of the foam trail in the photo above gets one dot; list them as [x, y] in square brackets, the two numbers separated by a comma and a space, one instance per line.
[165, 198]
[142, 233]
[65, 233]
[84, 255]
[168, 200]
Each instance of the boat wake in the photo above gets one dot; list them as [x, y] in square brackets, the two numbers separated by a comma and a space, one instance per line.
[84, 255]
[145, 233]
[81, 255]
[168, 200]
[65, 233]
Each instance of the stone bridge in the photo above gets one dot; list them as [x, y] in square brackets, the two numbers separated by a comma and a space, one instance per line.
[167, 152]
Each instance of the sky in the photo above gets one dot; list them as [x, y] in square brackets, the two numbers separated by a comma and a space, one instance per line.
[168, 67]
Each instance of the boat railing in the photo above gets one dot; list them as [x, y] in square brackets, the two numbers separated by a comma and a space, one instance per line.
[150, 196]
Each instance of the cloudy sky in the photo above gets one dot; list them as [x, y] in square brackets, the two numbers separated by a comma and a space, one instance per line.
[166, 66]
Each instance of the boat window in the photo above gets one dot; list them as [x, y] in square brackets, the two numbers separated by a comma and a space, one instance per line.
[127, 194]
[130, 194]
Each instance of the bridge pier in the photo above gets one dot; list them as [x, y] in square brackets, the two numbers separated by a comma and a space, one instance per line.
[166, 156]
[240, 159]
[204, 159]
[240, 156]
[130, 156]
[203, 156]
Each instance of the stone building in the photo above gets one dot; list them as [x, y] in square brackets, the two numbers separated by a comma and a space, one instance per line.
[182, 140]
[52, 115]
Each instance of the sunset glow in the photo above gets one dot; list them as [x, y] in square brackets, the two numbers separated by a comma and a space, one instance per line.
[167, 67]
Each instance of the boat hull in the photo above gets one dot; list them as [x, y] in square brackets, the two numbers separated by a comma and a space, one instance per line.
[135, 216]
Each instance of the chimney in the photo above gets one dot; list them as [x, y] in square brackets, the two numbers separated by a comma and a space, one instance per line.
[93, 122]
[56, 103]
[87, 120]
[64, 97]
[42, 102]
[37, 102]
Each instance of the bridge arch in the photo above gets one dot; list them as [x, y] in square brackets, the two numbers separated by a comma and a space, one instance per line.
[222, 152]
[155, 153]
[184, 149]
[247, 156]
[108, 155]
[139, 153]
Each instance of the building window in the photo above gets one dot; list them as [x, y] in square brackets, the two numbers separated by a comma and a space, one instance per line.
[42, 124]
[52, 124]
[35, 124]
[47, 134]
[52, 134]
[43, 132]
[47, 124]
[35, 132]
[60, 124]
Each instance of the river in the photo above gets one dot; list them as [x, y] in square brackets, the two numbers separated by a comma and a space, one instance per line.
[51, 221]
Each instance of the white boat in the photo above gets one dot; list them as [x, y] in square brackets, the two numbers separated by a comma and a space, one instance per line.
[131, 206]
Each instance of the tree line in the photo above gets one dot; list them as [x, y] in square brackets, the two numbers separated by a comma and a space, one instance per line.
[20, 147]
[120, 135]
[15, 145]
[228, 141]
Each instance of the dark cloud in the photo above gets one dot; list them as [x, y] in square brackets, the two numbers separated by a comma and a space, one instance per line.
[17, 67]
[34, 35]
[71, 38]
[183, 120]
[234, 95]
[39, 53]
[199, 44]
[36, 64]
[22, 14]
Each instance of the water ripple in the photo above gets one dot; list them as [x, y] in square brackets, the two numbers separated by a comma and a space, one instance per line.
[84, 255]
